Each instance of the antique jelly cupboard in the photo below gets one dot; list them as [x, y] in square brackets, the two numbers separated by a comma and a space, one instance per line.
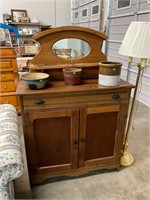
[70, 130]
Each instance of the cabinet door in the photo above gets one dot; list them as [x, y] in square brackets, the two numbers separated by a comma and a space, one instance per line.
[51, 140]
[101, 135]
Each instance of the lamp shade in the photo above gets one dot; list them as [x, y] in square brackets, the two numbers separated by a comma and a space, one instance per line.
[136, 42]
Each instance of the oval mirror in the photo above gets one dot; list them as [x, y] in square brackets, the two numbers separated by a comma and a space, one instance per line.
[71, 48]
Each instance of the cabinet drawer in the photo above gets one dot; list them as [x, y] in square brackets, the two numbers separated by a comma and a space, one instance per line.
[6, 76]
[5, 64]
[50, 101]
[7, 86]
[9, 100]
[9, 51]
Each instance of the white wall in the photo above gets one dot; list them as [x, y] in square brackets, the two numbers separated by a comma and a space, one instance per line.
[50, 12]
[63, 12]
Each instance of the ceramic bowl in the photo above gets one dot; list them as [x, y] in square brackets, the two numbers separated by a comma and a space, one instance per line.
[35, 80]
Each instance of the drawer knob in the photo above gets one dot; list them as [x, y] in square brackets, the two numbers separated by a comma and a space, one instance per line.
[5, 86]
[5, 65]
[39, 101]
[115, 96]
[3, 76]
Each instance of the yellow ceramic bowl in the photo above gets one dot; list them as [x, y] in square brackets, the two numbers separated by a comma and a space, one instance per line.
[35, 80]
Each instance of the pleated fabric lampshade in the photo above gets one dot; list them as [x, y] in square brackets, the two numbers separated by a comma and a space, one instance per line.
[136, 42]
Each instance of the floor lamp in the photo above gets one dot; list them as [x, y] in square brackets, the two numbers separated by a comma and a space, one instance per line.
[136, 44]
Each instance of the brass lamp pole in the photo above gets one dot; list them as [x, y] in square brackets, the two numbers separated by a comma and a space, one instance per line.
[127, 159]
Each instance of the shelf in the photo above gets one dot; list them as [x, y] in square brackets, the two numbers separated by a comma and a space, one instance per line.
[30, 24]
[28, 54]
[60, 66]
[23, 35]
[26, 24]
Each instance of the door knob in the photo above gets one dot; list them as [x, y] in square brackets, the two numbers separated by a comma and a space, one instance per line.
[75, 142]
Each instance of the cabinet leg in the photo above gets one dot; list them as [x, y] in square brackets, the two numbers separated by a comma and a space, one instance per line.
[118, 169]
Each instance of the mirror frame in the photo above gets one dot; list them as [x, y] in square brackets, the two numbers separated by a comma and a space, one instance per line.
[48, 59]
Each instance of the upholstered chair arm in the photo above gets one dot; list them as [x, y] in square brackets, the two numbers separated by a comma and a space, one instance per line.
[11, 159]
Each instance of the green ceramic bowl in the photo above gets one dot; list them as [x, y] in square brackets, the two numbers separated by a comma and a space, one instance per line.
[35, 80]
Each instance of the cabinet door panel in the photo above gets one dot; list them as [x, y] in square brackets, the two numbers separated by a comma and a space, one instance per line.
[53, 144]
[99, 128]
[50, 140]
[100, 135]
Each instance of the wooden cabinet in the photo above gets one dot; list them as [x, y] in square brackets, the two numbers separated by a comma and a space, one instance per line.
[8, 77]
[71, 131]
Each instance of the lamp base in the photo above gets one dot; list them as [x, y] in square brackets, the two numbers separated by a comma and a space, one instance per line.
[126, 159]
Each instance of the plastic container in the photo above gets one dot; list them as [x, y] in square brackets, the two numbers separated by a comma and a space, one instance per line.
[72, 76]
[109, 73]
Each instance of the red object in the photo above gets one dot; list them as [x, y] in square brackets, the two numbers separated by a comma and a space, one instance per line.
[72, 76]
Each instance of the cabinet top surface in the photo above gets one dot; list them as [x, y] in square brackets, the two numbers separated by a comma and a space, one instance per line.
[59, 87]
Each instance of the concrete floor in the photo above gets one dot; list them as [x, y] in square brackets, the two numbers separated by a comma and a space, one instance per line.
[130, 183]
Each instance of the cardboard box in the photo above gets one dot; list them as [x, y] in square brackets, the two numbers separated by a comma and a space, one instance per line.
[25, 19]
[30, 49]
